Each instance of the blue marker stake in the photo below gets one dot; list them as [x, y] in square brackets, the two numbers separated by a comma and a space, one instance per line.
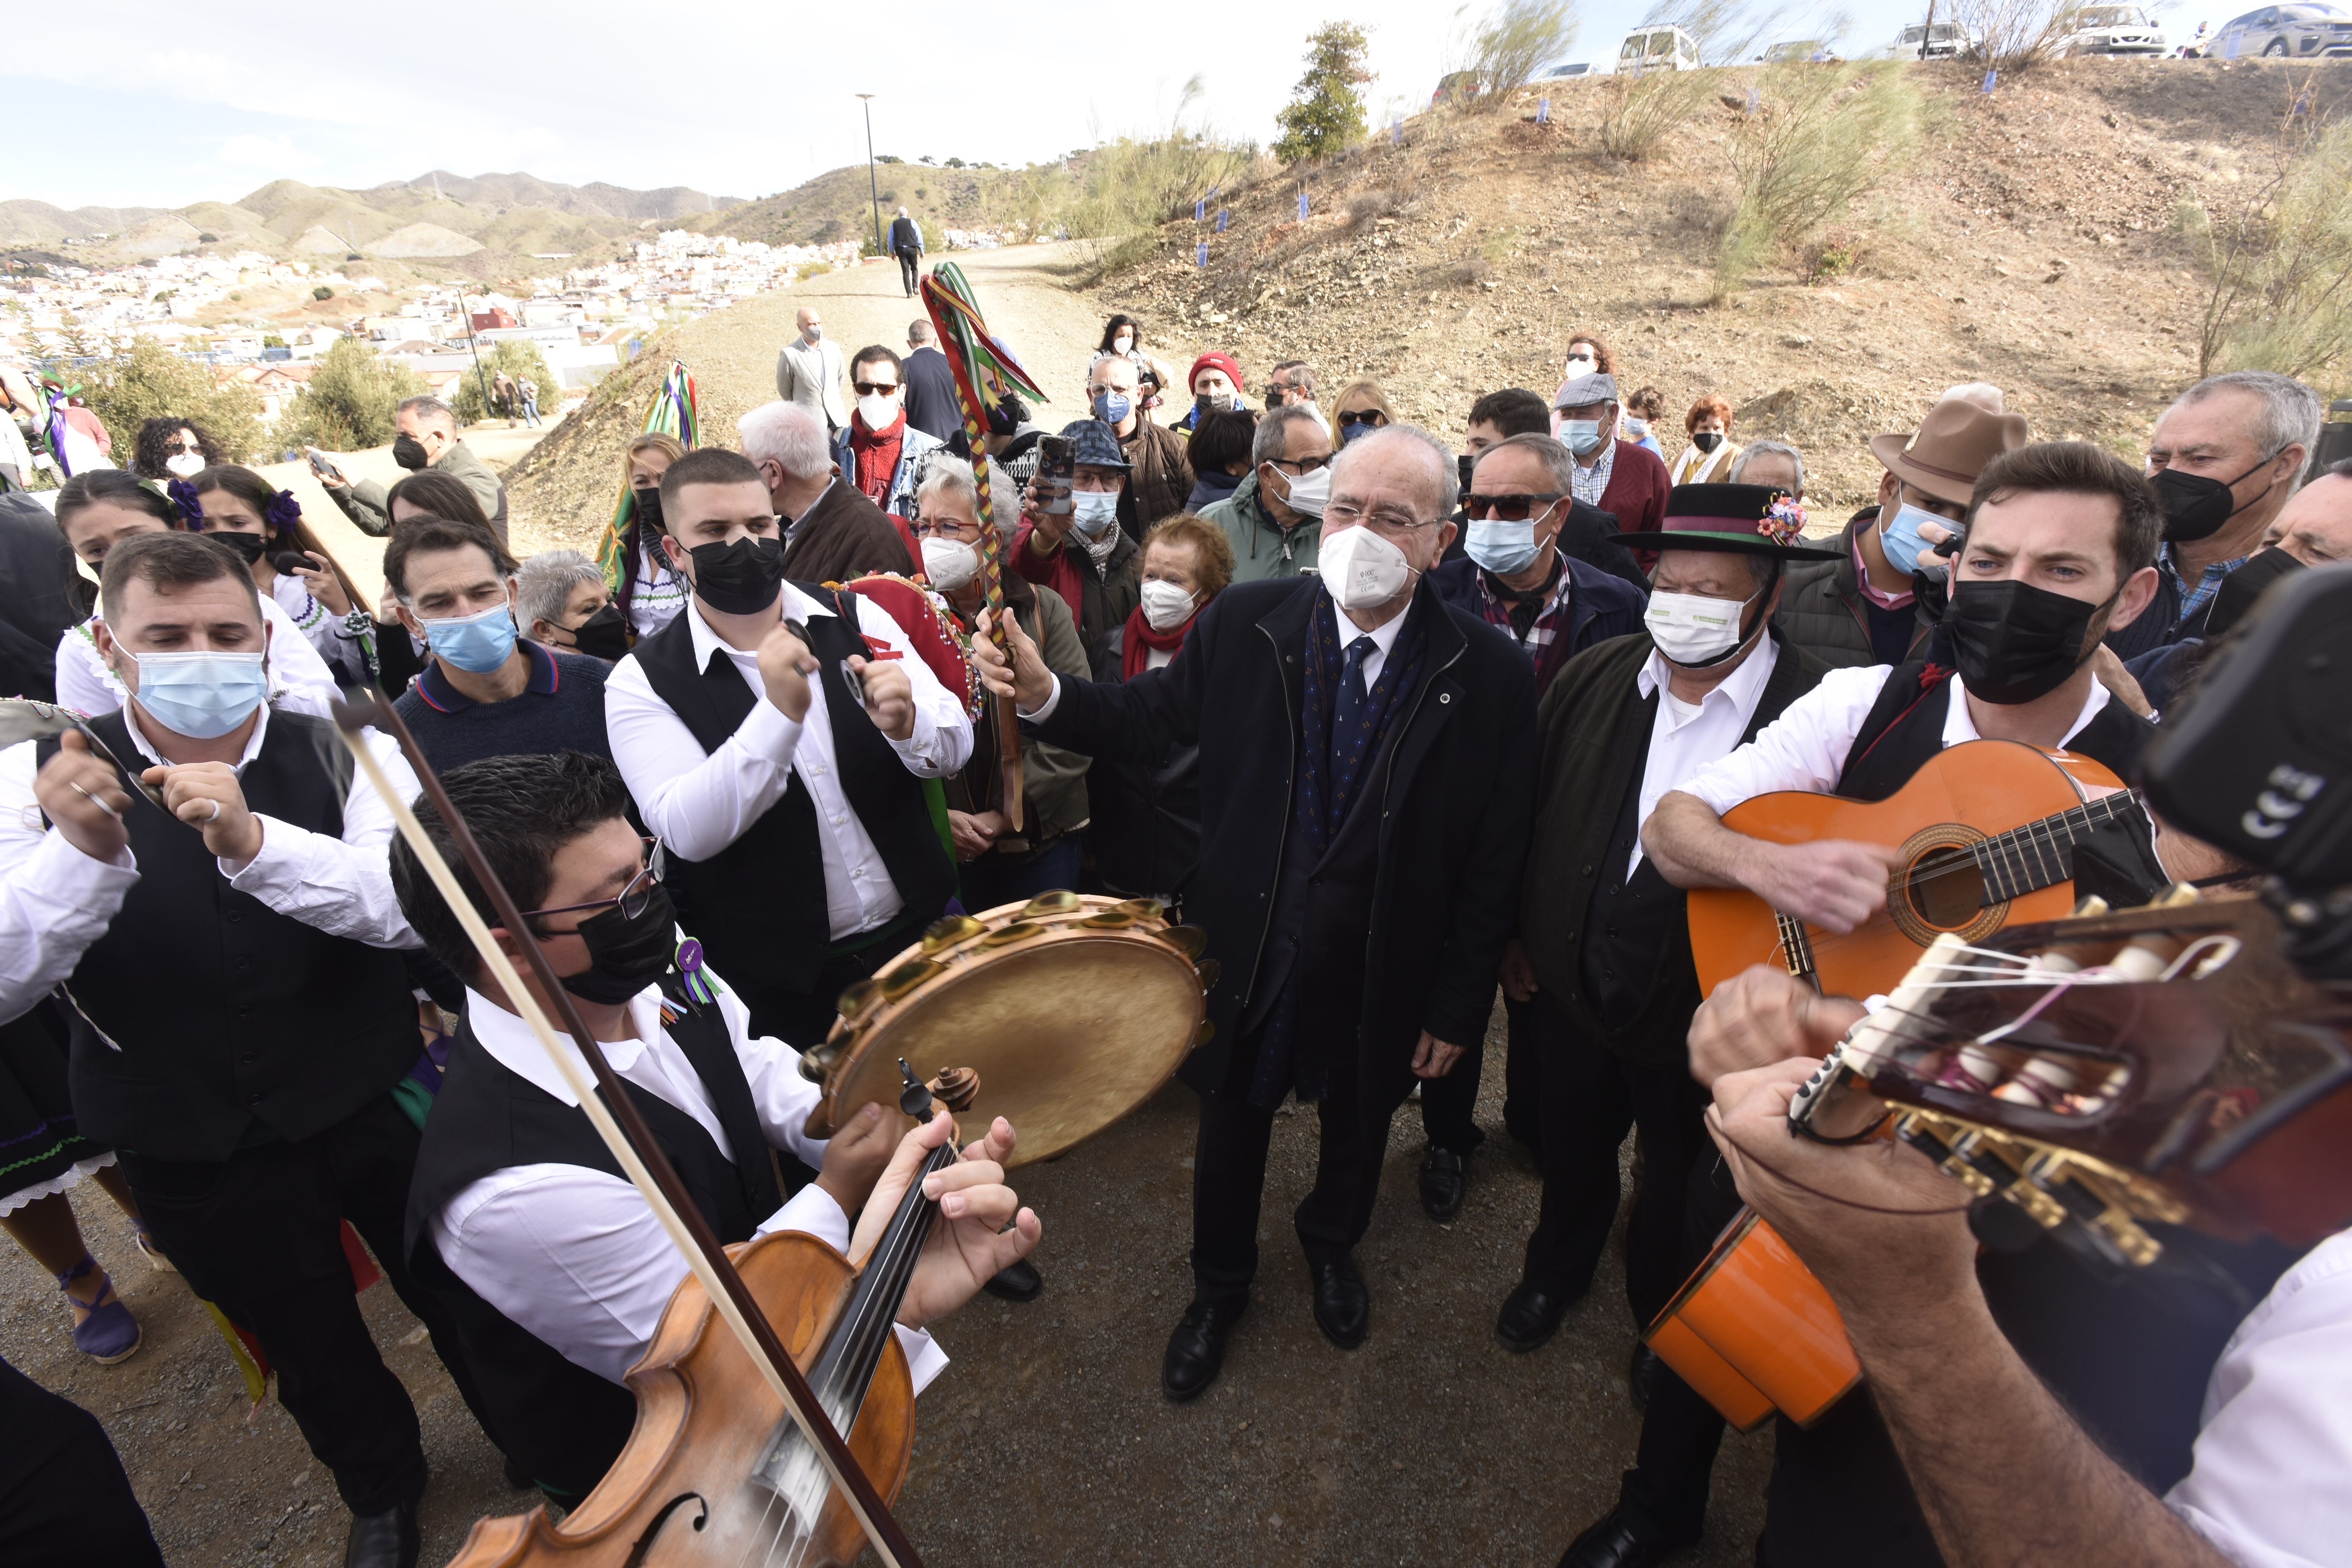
[1302, 206]
[1199, 210]
[1755, 102]
[1201, 256]
[1543, 111]
[1221, 220]
[1396, 132]
[1990, 77]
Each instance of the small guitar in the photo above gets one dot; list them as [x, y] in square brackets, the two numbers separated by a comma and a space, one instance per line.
[1986, 831]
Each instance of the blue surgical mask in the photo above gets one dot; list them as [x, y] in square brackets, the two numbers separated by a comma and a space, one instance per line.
[1092, 512]
[202, 695]
[1636, 428]
[1502, 547]
[1582, 435]
[479, 645]
[1113, 407]
[1899, 536]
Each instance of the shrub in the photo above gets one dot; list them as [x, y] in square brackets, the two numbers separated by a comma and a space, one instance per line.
[147, 381]
[2014, 35]
[1366, 207]
[1823, 137]
[2278, 261]
[1326, 112]
[520, 358]
[1518, 39]
[349, 402]
[1639, 113]
[322, 292]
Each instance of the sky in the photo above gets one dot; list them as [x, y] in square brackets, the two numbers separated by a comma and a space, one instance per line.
[155, 105]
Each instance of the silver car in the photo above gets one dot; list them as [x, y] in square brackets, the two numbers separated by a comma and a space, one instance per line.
[2304, 31]
[2112, 30]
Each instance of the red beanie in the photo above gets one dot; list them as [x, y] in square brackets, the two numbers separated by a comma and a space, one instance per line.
[1216, 358]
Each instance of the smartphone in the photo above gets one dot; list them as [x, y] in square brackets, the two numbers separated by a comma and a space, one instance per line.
[319, 465]
[1057, 467]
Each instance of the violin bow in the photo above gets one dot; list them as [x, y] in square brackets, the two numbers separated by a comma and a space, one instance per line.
[640, 1155]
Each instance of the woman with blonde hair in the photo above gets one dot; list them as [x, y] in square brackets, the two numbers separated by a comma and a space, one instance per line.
[1360, 409]
[1707, 459]
[650, 591]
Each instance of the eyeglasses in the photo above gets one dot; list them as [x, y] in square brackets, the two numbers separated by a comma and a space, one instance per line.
[1299, 465]
[873, 388]
[1371, 417]
[941, 527]
[633, 899]
[1346, 514]
[1510, 509]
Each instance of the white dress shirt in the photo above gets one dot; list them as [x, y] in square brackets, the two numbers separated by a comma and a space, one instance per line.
[698, 804]
[1685, 737]
[576, 1255]
[55, 900]
[1805, 748]
[2267, 1480]
[298, 678]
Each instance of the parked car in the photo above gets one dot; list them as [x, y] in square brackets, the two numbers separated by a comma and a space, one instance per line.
[1569, 70]
[1454, 87]
[2307, 31]
[1658, 49]
[1944, 41]
[1815, 51]
[2112, 30]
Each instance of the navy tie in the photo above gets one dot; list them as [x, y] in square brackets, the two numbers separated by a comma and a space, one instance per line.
[1347, 738]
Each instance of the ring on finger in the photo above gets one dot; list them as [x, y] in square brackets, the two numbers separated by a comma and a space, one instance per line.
[215, 816]
[103, 806]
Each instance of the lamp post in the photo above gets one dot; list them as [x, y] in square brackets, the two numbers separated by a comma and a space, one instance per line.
[872, 186]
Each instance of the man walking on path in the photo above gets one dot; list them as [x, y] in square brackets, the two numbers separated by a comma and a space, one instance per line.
[906, 245]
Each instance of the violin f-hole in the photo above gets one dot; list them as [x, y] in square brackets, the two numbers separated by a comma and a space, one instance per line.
[644, 1543]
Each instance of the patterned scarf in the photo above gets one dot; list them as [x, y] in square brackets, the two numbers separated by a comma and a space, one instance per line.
[1328, 784]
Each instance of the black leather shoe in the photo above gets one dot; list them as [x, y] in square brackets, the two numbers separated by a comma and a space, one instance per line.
[1613, 1540]
[1441, 1184]
[387, 1540]
[1196, 1351]
[1016, 1281]
[1640, 1375]
[1343, 1308]
[1529, 1317]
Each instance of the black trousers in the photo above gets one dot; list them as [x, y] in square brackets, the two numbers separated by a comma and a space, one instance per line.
[909, 261]
[1591, 1098]
[1447, 1103]
[64, 1500]
[1229, 1183]
[259, 1235]
[802, 1019]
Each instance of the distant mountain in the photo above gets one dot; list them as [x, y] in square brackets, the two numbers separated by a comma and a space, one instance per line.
[25, 221]
[839, 203]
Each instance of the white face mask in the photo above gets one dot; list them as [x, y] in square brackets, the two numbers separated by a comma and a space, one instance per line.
[1165, 605]
[1580, 365]
[1361, 569]
[1093, 511]
[186, 465]
[950, 563]
[1120, 344]
[878, 411]
[1694, 630]
[1309, 493]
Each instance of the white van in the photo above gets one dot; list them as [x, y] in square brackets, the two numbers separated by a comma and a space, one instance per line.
[1658, 49]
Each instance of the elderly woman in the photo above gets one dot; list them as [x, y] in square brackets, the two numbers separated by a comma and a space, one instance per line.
[1707, 459]
[996, 864]
[563, 602]
[1360, 409]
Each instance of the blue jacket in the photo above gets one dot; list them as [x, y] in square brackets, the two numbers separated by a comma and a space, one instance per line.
[1600, 606]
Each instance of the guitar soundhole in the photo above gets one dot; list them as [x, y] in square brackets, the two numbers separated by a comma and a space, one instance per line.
[1946, 889]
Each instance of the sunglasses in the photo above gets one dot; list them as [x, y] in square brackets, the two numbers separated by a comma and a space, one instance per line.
[634, 899]
[1371, 417]
[176, 447]
[873, 388]
[1509, 509]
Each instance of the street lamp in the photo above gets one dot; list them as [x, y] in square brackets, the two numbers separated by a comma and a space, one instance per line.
[871, 185]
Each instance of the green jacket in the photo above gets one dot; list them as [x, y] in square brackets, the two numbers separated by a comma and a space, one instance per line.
[1261, 550]
[1823, 610]
[365, 504]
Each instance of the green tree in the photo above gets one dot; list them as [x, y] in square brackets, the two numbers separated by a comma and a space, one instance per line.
[520, 358]
[149, 381]
[350, 400]
[1326, 112]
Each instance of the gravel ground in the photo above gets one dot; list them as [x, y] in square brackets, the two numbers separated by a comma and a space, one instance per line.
[1047, 1440]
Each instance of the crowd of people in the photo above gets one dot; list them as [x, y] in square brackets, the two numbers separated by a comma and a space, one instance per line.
[1410, 731]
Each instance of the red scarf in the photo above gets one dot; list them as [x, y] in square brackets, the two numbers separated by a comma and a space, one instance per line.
[1141, 637]
[877, 454]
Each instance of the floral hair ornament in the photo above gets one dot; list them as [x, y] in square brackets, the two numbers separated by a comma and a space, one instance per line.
[191, 506]
[284, 512]
[1785, 524]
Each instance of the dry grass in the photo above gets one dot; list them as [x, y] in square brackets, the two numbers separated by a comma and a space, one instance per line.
[2278, 252]
[1823, 136]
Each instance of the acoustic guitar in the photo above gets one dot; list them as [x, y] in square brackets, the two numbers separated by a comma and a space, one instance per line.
[2080, 1079]
[1986, 831]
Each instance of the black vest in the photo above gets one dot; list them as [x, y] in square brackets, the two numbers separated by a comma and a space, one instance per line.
[225, 1012]
[758, 906]
[1631, 922]
[562, 1423]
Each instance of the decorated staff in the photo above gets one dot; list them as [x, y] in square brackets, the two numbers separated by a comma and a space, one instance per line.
[985, 373]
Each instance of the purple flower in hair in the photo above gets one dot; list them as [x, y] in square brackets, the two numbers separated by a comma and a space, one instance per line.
[192, 507]
[284, 511]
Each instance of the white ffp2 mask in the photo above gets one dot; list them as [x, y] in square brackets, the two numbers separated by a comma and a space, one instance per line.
[1361, 569]
[1691, 629]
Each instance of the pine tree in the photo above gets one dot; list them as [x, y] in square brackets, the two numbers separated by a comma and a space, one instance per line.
[1326, 112]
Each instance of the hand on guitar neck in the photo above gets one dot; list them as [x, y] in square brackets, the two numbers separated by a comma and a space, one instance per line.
[1837, 883]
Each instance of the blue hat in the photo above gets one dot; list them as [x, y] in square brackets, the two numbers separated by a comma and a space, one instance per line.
[1094, 444]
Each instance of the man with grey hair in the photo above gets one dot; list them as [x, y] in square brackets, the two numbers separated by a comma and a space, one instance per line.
[1267, 516]
[2224, 459]
[1775, 464]
[831, 532]
[1366, 760]
[931, 405]
[1628, 482]
[426, 439]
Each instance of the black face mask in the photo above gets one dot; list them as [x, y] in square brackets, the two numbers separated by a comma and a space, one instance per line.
[2014, 642]
[409, 453]
[625, 955]
[247, 547]
[2197, 505]
[1214, 402]
[1707, 440]
[2240, 588]
[602, 635]
[742, 578]
[649, 512]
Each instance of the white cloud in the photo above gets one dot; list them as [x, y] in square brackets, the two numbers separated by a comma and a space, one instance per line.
[276, 153]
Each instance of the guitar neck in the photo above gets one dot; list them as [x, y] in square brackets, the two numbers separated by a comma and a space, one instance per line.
[2042, 854]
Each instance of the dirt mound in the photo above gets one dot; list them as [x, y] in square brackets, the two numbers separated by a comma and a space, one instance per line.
[2033, 243]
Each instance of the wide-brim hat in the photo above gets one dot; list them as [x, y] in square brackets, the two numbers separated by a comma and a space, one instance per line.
[1952, 445]
[1746, 519]
[1095, 444]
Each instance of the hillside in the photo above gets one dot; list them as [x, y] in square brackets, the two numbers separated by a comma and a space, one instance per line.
[839, 205]
[2032, 244]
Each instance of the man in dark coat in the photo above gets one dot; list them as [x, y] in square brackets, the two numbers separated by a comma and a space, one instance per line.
[906, 245]
[1363, 816]
[931, 405]
[831, 532]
